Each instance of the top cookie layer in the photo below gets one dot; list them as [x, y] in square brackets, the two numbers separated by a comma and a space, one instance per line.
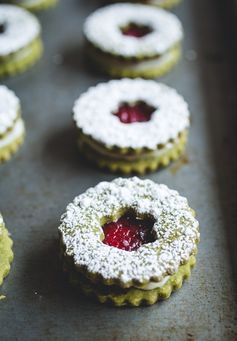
[93, 113]
[20, 28]
[103, 29]
[175, 228]
[9, 109]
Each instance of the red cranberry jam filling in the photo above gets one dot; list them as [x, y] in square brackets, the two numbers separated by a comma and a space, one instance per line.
[131, 113]
[128, 232]
[136, 30]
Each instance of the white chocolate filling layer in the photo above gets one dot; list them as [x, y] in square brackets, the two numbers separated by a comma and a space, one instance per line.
[14, 134]
[154, 285]
[84, 141]
[138, 65]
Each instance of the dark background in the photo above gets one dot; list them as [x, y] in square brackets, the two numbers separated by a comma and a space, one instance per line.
[38, 183]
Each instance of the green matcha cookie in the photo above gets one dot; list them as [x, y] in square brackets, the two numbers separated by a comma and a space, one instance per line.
[12, 128]
[140, 126]
[167, 4]
[6, 254]
[129, 241]
[20, 41]
[35, 5]
[133, 296]
[136, 41]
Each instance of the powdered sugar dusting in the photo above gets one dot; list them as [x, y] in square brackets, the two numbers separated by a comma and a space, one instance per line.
[93, 113]
[103, 29]
[21, 28]
[175, 228]
[9, 108]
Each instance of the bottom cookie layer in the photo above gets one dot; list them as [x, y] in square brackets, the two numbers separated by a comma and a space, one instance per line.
[11, 143]
[167, 4]
[21, 60]
[133, 296]
[6, 254]
[36, 5]
[147, 68]
[142, 164]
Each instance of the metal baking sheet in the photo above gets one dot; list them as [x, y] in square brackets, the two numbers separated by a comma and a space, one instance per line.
[38, 183]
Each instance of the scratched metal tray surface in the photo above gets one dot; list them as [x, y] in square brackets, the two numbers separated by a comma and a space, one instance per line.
[47, 173]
